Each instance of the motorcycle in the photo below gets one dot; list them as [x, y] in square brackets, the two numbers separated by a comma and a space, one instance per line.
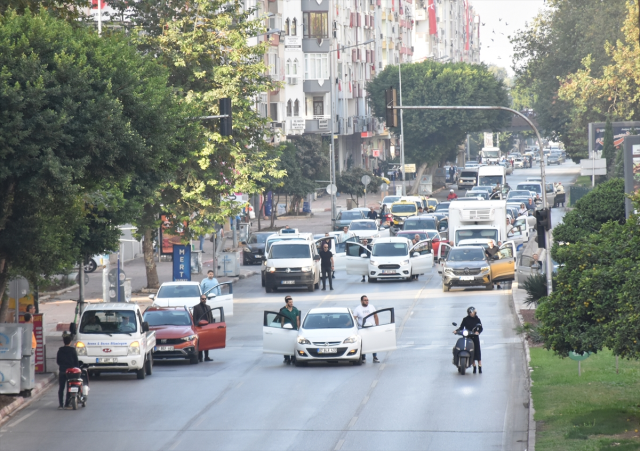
[464, 349]
[77, 386]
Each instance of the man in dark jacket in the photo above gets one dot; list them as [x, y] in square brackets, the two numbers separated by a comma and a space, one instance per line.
[326, 266]
[203, 312]
[469, 322]
[67, 358]
[372, 214]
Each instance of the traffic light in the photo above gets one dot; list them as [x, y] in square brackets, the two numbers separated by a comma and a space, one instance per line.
[390, 102]
[543, 223]
[226, 128]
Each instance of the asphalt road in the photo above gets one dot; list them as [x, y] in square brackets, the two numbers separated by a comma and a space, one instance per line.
[247, 400]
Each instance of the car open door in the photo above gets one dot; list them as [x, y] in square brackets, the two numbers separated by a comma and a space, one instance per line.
[380, 337]
[356, 264]
[524, 269]
[423, 262]
[276, 338]
[224, 300]
[503, 268]
[443, 252]
[212, 335]
[330, 239]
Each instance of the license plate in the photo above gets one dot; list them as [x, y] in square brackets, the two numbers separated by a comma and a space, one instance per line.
[467, 278]
[327, 351]
[73, 389]
[164, 348]
[257, 255]
[388, 271]
[106, 360]
[288, 282]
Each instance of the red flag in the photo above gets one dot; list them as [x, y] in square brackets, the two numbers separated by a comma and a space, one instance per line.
[94, 4]
[466, 20]
[433, 28]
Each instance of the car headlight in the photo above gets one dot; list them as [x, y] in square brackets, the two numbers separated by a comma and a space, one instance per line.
[81, 349]
[405, 262]
[189, 338]
[134, 348]
[448, 270]
[303, 341]
[271, 269]
[351, 339]
[485, 269]
[246, 249]
[373, 263]
[306, 268]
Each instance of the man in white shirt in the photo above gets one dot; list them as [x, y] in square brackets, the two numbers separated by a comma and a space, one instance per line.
[360, 313]
[345, 235]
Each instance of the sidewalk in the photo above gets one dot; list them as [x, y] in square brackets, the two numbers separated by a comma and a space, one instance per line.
[9, 405]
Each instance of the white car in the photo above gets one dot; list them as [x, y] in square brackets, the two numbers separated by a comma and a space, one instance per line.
[389, 258]
[365, 228]
[329, 334]
[518, 163]
[187, 294]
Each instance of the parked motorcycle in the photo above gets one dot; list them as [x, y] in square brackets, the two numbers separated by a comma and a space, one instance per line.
[464, 349]
[77, 386]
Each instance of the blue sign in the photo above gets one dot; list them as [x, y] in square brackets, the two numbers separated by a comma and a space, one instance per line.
[181, 263]
[268, 203]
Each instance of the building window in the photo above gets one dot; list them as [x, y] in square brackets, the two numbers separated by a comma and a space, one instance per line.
[316, 66]
[294, 67]
[318, 106]
[294, 27]
[296, 108]
[289, 112]
[286, 27]
[273, 112]
[287, 67]
[315, 25]
[274, 63]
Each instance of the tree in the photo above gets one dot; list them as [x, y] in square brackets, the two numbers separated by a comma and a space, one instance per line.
[434, 136]
[608, 149]
[351, 183]
[553, 46]
[602, 204]
[69, 10]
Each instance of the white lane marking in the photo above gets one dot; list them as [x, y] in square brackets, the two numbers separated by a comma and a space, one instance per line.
[21, 419]
[365, 400]
[374, 383]
[352, 422]
[199, 422]
[382, 366]
[239, 384]
[175, 445]
[339, 445]
[48, 404]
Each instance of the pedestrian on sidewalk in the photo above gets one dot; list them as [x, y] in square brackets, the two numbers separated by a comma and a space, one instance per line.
[210, 283]
[326, 266]
[291, 315]
[28, 319]
[360, 313]
[203, 312]
[66, 358]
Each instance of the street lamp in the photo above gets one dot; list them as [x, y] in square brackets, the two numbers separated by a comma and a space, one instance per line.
[332, 163]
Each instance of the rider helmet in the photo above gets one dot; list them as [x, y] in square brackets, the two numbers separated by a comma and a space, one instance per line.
[470, 310]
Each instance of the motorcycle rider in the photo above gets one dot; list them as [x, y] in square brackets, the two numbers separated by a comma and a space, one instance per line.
[469, 322]
[452, 195]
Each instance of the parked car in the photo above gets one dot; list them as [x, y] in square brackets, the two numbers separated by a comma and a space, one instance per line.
[345, 217]
[365, 228]
[187, 294]
[253, 250]
[95, 261]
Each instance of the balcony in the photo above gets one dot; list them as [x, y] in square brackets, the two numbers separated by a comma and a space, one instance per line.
[319, 124]
[314, 86]
[314, 6]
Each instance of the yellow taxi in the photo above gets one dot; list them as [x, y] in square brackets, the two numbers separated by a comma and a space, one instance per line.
[431, 204]
[400, 211]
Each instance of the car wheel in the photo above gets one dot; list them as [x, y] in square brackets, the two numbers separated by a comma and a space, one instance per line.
[193, 360]
[263, 284]
[299, 363]
[141, 373]
[91, 266]
[373, 279]
[74, 403]
[445, 287]
[148, 366]
[358, 361]
[310, 288]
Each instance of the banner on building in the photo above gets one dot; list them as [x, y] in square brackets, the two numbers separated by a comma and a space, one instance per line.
[433, 26]
[488, 140]
[631, 169]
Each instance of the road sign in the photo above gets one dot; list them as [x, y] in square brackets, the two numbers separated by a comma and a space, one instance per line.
[332, 189]
[409, 168]
[579, 357]
[365, 180]
[384, 187]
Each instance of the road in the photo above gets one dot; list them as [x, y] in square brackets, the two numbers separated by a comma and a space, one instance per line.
[246, 400]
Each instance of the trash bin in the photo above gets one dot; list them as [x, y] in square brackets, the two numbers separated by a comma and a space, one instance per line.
[196, 262]
[229, 263]
[350, 204]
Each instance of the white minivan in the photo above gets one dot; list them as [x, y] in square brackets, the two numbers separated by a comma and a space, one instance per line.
[292, 263]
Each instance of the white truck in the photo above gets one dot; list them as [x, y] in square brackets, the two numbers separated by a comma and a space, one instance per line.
[477, 222]
[492, 175]
[113, 338]
[490, 155]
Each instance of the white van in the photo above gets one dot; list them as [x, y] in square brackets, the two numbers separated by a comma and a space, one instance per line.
[492, 175]
[292, 263]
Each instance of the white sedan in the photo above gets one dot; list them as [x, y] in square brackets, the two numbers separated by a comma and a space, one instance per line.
[366, 228]
[329, 334]
[187, 294]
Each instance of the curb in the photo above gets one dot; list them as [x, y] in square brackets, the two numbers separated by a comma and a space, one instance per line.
[21, 402]
[531, 433]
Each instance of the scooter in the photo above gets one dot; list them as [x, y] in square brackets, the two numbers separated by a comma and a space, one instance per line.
[464, 349]
[77, 386]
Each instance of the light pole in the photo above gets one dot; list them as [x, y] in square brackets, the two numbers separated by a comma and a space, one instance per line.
[332, 163]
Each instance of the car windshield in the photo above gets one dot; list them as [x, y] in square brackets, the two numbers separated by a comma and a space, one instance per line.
[108, 322]
[476, 234]
[432, 202]
[529, 187]
[290, 251]
[489, 180]
[275, 240]
[417, 224]
[167, 318]
[328, 321]
[444, 206]
[462, 254]
[518, 193]
[389, 250]
[350, 215]
[404, 208]
[390, 199]
[469, 174]
[179, 291]
[491, 153]
[258, 239]
[363, 225]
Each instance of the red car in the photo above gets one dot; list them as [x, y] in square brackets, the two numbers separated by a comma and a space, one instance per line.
[177, 337]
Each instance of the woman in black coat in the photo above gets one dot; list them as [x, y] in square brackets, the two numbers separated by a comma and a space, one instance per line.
[468, 323]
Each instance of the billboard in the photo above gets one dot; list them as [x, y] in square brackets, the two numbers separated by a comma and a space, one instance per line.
[167, 238]
[620, 131]
[631, 169]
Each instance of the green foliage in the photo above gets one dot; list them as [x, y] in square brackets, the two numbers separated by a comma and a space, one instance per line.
[554, 46]
[536, 288]
[602, 204]
[608, 149]
[350, 182]
[433, 136]
[69, 10]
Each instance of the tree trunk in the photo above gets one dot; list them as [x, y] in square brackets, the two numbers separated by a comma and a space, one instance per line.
[419, 173]
[274, 210]
[4, 300]
[149, 262]
[259, 212]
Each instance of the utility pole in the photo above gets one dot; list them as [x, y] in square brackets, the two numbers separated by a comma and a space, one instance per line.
[402, 170]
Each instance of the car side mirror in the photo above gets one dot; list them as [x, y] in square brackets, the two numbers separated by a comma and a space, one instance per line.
[145, 326]
[416, 254]
[203, 322]
[287, 326]
[152, 296]
[364, 256]
[211, 296]
[454, 324]
[316, 258]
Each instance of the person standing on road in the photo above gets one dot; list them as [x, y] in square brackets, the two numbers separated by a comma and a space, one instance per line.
[209, 283]
[490, 252]
[326, 266]
[372, 214]
[66, 358]
[203, 312]
[345, 235]
[360, 313]
[365, 243]
[469, 322]
[452, 195]
[291, 315]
